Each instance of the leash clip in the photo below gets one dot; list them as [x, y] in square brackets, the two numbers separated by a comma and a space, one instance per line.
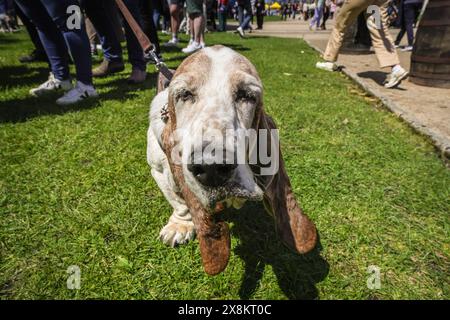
[151, 55]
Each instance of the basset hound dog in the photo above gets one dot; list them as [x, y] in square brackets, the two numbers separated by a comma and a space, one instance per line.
[216, 94]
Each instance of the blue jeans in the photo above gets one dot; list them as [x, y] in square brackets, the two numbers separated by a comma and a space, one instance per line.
[32, 32]
[244, 19]
[50, 19]
[409, 14]
[2, 6]
[99, 11]
[317, 17]
[222, 14]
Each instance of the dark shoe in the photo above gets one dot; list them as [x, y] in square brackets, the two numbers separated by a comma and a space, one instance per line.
[107, 68]
[137, 76]
[34, 56]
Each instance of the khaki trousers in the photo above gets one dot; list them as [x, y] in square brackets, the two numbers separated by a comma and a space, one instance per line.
[381, 39]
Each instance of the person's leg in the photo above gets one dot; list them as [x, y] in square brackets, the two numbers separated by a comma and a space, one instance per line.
[51, 39]
[198, 26]
[147, 9]
[319, 16]
[248, 16]
[91, 32]
[194, 10]
[38, 53]
[402, 31]
[246, 23]
[191, 31]
[240, 14]
[135, 51]
[165, 11]
[156, 14]
[212, 18]
[99, 12]
[92, 36]
[4, 24]
[384, 47]
[3, 7]
[314, 18]
[203, 22]
[76, 39]
[381, 39]
[400, 35]
[225, 16]
[410, 17]
[259, 20]
[347, 15]
[326, 14]
[175, 9]
[156, 19]
[224, 21]
[221, 20]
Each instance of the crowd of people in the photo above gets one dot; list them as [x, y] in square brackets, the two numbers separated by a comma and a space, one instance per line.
[103, 28]
[318, 12]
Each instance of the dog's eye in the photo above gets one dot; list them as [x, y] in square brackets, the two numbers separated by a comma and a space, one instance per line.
[245, 96]
[185, 95]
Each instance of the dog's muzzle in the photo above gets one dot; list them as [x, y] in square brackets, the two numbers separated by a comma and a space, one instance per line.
[212, 175]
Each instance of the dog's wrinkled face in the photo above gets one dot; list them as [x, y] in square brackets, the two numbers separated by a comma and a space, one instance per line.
[216, 94]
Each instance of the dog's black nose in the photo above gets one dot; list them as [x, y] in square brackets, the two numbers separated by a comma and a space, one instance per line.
[212, 175]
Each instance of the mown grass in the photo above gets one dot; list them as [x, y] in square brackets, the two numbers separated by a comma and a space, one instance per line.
[75, 189]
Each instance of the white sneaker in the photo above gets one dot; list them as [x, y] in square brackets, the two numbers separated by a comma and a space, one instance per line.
[328, 66]
[192, 47]
[395, 77]
[77, 94]
[51, 85]
[202, 45]
[172, 42]
[241, 32]
[407, 48]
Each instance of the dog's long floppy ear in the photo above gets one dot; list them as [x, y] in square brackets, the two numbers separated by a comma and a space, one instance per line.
[213, 236]
[293, 226]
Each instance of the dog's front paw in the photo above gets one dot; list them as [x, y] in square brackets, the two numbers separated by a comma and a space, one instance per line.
[175, 233]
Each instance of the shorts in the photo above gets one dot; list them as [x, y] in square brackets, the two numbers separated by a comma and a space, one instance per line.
[194, 6]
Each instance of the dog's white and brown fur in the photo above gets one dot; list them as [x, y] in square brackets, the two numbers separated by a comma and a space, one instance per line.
[216, 89]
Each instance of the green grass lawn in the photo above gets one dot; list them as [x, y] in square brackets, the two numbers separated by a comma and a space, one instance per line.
[75, 189]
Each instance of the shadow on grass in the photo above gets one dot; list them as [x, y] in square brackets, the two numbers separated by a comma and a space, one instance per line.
[377, 76]
[21, 110]
[8, 39]
[237, 47]
[259, 246]
[22, 75]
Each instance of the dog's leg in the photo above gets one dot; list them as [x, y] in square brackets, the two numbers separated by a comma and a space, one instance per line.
[180, 228]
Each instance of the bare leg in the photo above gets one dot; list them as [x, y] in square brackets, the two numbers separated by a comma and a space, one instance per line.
[198, 28]
[174, 19]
